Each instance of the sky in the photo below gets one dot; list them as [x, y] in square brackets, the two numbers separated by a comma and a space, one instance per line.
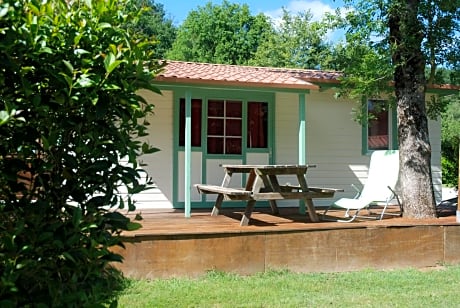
[178, 10]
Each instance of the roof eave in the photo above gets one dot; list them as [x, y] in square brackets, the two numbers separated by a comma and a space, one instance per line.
[246, 84]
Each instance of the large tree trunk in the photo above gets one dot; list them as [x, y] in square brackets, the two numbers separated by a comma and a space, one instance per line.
[414, 146]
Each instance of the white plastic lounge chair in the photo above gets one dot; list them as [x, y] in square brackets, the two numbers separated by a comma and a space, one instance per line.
[378, 190]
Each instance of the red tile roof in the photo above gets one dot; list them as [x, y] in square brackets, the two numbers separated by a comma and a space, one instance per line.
[248, 76]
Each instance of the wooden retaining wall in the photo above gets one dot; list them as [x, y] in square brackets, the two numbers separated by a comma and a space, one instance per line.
[323, 250]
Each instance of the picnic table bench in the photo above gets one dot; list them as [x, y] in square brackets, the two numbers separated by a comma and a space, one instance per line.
[263, 184]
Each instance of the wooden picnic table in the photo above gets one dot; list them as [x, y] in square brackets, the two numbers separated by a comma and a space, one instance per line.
[263, 184]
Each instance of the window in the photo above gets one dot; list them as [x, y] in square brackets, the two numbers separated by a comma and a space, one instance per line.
[228, 123]
[378, 128]
[196, 122]
[224, 127]
[257, 125]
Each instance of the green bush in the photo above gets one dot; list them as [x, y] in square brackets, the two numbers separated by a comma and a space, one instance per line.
[69, 112]
[450, 141]
[449, 164]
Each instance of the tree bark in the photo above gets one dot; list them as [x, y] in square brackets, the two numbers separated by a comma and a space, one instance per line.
[416, 190]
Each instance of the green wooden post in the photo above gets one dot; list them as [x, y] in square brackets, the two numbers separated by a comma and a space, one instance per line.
[188, 152]
[302, 141]
[364, 125]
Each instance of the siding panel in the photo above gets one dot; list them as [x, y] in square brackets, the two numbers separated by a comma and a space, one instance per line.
[334, 142]
[159, 165]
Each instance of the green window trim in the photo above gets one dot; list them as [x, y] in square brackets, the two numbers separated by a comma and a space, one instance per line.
[246, 98]
[393, 129]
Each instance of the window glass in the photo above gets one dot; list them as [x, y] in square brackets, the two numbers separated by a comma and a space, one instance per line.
[257, 136]
[233, 146]
[378, 125]
[233, 127]
[196, 122]
[215, 145]
[215, 127]
[215, 108]
[224, 127]
[233, 109]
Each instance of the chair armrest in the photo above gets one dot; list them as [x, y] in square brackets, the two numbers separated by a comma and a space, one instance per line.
[358, 191]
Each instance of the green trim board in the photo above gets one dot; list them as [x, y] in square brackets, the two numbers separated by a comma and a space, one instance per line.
[394, 129]
[302, 141]
[205, 87]
[325, 86]
[302, 131]
[364, 128]
[188, 150]
[364, 149]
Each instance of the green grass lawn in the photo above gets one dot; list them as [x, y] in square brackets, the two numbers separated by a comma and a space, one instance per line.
[370, 288]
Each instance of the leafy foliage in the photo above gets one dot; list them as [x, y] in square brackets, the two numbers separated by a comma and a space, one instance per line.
[226, 34]
[69, 112]
[154, 23]
[365, 57]
[297, 42]
[397, 40]
[441, 26]
[450, 143]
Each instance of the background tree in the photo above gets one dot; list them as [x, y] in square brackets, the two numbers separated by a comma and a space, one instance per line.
[397, 35]
[449, 107]
[154, 23]
[441, 44]
[296, 42]
[406, 37]
[225, 33]
[69, 112]
[450, 143]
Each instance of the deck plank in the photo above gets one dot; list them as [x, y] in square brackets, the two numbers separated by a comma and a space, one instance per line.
[174, 222]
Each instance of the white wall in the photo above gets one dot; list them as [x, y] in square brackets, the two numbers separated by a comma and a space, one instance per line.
[435, 141]
[160, 164]
[334, 142]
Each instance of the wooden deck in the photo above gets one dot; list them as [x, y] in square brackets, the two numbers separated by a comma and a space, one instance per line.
[170, 245]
